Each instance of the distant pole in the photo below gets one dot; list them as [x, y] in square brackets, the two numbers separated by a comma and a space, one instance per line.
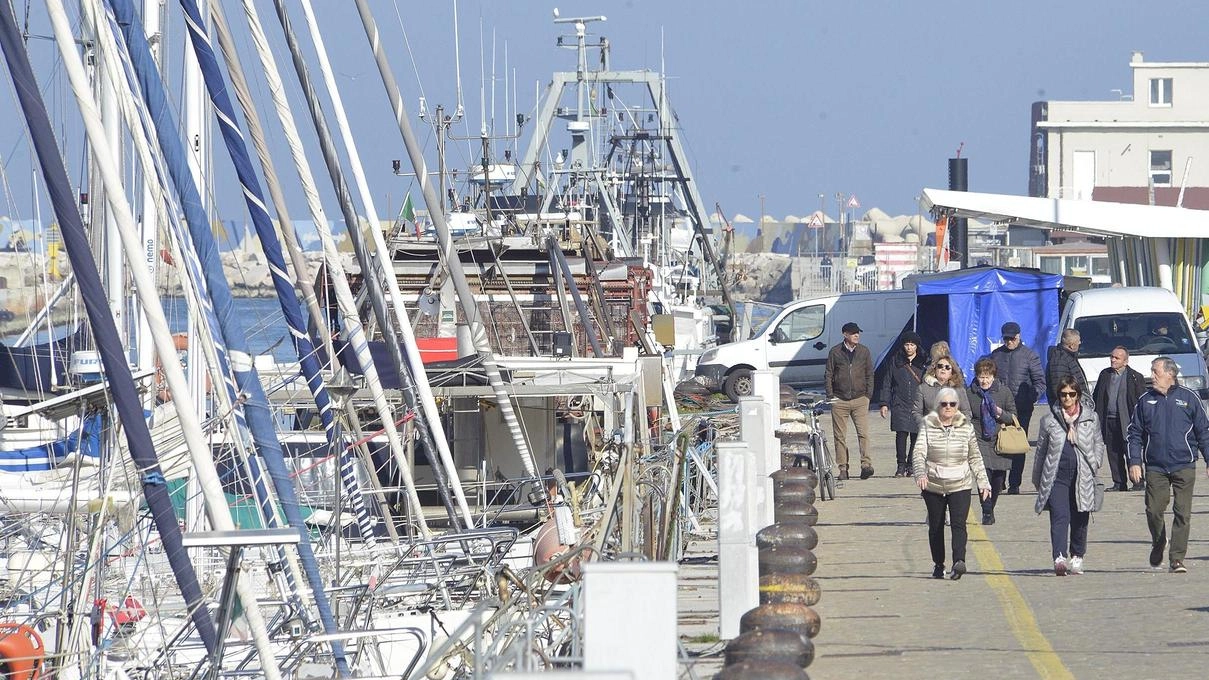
[822, 229]
[959, 226]
[839, 215]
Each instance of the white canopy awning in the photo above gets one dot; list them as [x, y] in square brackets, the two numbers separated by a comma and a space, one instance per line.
[1100, 218]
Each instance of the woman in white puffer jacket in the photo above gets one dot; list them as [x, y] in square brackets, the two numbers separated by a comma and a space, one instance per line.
[946, 465]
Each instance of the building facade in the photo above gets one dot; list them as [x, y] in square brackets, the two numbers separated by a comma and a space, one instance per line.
[1146, 148]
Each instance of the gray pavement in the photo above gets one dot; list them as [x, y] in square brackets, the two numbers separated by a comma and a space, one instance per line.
[1009, 617]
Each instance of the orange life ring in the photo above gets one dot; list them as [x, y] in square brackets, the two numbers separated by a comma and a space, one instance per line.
[21, 652]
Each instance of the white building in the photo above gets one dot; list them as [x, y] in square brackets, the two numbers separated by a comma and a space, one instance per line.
[1156, 137]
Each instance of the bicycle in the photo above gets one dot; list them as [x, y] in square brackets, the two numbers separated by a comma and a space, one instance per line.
[819, 458]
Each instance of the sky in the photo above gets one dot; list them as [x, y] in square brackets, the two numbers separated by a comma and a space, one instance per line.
[779, 101]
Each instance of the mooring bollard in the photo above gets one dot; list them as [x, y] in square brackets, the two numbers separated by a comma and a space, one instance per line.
[784, 646]
[796, 511]
[784, 616]
[792, 487]
[762, 670]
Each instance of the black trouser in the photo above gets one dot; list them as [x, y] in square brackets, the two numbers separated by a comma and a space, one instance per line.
[1114, 441]
[958, 504]
[902, 448]
[1067, 525]
[998, 479]
[1024, 413]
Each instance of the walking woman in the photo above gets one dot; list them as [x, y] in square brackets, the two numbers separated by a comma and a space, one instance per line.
[946, 465]
[992, 405]
[943, 372]
[1070, 450]
[898, 398]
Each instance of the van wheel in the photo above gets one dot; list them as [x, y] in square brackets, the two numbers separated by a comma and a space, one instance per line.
[740, 383]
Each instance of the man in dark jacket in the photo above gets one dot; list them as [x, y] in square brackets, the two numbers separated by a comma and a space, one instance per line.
[848, 379]
[1118, 388]
[1019, 368]
[1063, 361]
[1166, 432]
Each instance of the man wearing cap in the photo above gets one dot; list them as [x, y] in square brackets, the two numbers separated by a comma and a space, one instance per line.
[848, 379]
[1019, 368]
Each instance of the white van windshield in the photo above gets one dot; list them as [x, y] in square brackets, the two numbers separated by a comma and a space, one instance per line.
[1143, 333]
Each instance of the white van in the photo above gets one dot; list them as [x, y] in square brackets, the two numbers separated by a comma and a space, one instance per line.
[1148, 322]
[795, 340]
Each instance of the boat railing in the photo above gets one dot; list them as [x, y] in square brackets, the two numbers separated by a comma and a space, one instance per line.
[535, 626]
[362, 647]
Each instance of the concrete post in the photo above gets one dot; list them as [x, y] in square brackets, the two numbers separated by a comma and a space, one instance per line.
[756, 430]
[629, 615]
[738, 560]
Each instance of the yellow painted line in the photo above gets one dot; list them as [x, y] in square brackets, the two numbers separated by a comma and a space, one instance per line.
[1019, 615]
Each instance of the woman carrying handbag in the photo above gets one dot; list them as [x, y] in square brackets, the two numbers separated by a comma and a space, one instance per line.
[993, 407]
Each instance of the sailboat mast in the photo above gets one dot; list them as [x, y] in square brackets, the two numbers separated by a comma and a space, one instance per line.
[121, 382]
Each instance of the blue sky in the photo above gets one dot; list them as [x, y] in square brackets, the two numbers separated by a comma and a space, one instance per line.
[783, 99]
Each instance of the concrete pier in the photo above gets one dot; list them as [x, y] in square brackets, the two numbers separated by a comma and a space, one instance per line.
[1009, 617]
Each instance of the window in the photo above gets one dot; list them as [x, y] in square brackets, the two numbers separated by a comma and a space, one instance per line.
[1100, 267]
[1160, 168]
[801, 324]
[1160, 91]
[1050, 264]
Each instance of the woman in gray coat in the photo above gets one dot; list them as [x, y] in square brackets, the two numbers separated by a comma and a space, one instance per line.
[1070, 450]
[992, 405]
[946, 465]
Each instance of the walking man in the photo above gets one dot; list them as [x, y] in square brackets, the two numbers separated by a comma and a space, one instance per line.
[1064, 361]
[1117, 391]
[1019, 368]
[1168, 428]
[848, 378]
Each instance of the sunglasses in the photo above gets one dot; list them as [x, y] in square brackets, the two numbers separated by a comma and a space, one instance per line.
[1068, 394]
[949, 404]
[1010, 338]
[944, 367]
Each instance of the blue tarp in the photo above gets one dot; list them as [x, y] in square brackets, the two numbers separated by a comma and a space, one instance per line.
[968, 308]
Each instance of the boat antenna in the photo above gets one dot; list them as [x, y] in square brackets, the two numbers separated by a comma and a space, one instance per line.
[457, 61]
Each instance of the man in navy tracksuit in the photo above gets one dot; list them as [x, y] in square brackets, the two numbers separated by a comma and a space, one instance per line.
[1168, 429]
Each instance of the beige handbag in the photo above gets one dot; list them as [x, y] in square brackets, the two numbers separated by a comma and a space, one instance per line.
[1011, 439]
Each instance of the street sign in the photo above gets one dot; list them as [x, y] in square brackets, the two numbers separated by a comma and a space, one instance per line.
[852, 202]
[816, 222]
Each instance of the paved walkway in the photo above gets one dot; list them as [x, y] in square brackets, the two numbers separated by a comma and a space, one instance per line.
[1009, 617]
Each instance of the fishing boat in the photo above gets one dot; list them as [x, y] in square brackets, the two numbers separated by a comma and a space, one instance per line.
[364, 510]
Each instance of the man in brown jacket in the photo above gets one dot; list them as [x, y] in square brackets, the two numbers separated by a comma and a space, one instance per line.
[849, 380]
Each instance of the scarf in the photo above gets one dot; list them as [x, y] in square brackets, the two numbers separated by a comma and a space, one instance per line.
[1070, 421]
[987, 413]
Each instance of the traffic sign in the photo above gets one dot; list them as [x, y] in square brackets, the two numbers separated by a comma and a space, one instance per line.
[816, 222]
[852, 202]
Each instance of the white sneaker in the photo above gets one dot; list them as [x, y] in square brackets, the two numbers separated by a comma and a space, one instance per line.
[1076, 565]
[1060, 566]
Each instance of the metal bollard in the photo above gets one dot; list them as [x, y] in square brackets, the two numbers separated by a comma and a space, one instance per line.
[791, 488]
[762, 670]
[770, 645]
[796, 474]
[787, 559]
[796, 511]
[787, 616]
[791, 588]
[787, 533]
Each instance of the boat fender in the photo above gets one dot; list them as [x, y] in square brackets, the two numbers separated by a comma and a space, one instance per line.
[21, 652]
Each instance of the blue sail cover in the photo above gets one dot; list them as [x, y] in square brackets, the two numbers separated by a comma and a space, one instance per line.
[968, 308]
[86, 441]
